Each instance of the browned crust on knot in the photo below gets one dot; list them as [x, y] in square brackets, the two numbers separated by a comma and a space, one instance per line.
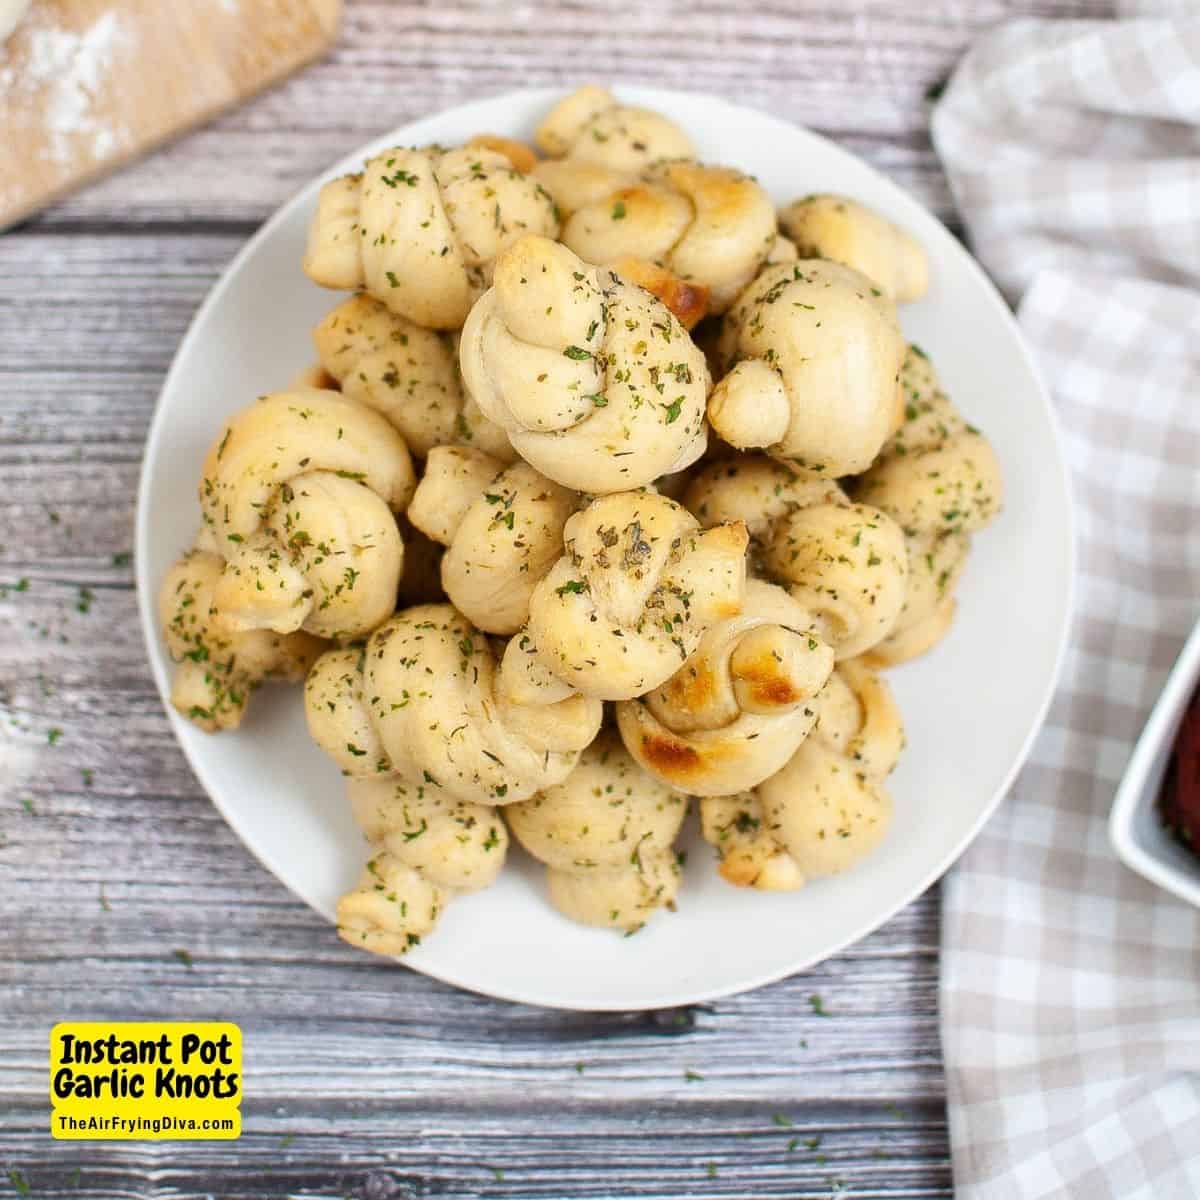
[692, 688]
[735, 534]
[316, 377]
[672, 758]
[767, 685]
[740, 868]
[688, 301]
[522, 157]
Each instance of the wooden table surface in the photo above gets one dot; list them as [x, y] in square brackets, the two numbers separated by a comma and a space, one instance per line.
[365, 1080]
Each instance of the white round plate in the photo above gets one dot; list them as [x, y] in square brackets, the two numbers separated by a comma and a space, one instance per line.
[971, 708]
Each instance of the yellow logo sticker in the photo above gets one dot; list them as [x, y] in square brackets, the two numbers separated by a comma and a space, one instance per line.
[152, 1080]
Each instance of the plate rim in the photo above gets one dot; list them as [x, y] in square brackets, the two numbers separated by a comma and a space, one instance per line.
[147, 589]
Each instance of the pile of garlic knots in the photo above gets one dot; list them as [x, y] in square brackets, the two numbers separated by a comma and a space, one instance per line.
[611, 486]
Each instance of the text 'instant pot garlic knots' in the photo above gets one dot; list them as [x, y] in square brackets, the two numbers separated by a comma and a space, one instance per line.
[548, 568]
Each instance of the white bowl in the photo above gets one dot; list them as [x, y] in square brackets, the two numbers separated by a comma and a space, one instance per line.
[971, 708]
[1135, 825]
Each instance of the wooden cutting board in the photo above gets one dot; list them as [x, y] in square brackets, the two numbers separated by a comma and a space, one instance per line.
[87, 85]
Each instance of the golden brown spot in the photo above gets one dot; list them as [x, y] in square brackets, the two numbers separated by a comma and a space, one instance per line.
[741, 868]
[672, 758]
[693, 688]
[733, 535]
[641, 203]
[723, 193]
[688, 301]
[316, 377]
[767, 685]
[522, 157]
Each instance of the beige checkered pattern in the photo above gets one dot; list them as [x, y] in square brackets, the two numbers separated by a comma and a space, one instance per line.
[1070, 987]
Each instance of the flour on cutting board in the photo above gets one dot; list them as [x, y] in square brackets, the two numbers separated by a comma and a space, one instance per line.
[88, 84]
[53, 86]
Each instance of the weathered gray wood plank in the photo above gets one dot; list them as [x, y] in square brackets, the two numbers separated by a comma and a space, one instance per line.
[858, 71]
[396, 1153]
[414, 1082]
[365, 1080]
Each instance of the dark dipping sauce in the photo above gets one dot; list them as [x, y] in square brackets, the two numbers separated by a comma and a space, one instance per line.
[1179, 800]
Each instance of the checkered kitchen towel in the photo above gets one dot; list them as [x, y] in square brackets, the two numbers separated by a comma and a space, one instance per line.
[1070, 987]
